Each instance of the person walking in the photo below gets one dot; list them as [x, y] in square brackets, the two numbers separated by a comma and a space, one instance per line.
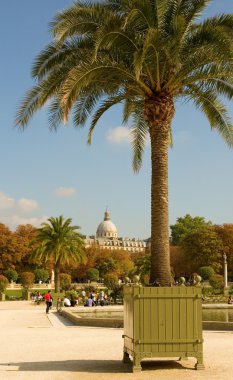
[47, 299]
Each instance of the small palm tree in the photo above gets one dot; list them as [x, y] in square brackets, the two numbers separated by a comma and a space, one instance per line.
[60, 243]
[146, 55]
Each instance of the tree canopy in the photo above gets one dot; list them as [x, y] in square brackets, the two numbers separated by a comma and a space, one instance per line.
[203, 247]
[184, 225]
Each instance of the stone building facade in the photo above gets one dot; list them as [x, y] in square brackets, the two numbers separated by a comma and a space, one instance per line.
[107, 238]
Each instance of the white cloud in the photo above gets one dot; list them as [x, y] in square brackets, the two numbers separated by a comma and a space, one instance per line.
[119, 135]
[15, 211]
[182, 137]
[13, 221]
[27, 205]
[6, 201]
[65, 192]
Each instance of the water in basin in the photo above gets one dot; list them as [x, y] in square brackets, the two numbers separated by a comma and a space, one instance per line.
[222, 315]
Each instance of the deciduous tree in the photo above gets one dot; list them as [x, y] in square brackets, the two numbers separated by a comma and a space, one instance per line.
[184, 225]
[225, 232]
[203, 247]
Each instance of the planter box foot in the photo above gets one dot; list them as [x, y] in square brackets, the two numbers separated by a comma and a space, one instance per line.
[126, 358]
[136, 368]
[136, 364]
[199, 366]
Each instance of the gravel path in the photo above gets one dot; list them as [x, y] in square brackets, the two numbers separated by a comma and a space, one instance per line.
[34, 345]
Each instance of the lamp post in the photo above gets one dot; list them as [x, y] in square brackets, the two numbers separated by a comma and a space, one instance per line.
[225, 272]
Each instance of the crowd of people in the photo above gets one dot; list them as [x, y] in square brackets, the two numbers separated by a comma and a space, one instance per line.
[87, 299]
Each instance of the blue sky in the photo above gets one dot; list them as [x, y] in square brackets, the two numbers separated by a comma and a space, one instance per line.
[48, 174]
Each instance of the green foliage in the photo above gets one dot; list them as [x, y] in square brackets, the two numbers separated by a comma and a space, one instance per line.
[92, 274]
[106, 261]
[117, 293]
[27, 279]
[225, 233]
[203, 248]
[184, 226]
[207, 290]
[71, 294]
[205, 272]
[65, 281]
[217, 281]
[142, 268]
[11, 275]
[110, 280]
[105, 266]
[3, 283]
[41, 275]
[59, 243]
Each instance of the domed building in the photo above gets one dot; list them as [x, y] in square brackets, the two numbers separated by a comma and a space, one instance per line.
[106, 228]
[107, 238]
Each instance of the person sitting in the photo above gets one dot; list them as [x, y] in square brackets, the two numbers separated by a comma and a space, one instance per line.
[89, 302]
[230, 300]
[66, 302]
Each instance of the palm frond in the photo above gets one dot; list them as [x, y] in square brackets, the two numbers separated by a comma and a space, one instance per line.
[28, 107]
[139, 133]
[214, 110]
[106, 105]
[56, 116]
[54, 56]
[84, 106]
[91, 73]
[82, 17]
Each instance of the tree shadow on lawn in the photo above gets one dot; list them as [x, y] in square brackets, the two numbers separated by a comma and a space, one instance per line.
[91, 366]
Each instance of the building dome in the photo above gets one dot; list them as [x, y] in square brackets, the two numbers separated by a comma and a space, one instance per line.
[107, 228]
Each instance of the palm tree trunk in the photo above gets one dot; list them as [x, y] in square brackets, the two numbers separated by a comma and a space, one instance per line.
[159, 113]
[57, 277]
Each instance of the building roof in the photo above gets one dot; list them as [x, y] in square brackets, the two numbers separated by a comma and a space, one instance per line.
[107, 227]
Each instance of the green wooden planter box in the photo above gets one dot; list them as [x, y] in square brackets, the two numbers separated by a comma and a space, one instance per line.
[162, 322]
[2, 297]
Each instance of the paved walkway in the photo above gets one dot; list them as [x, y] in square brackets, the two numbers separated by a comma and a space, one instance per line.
[36, 346]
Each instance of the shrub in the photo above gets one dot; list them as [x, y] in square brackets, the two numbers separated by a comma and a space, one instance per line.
[206, 272]
[3, 283]
[27, 279]
[92, 274]
[65, 281]
[11, 275]
[71, 294]
[207, 291]
[117, 292]
[216, 281]
[41, 275]
[110, 280]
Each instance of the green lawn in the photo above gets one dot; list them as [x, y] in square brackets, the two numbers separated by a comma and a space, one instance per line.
[12, 294]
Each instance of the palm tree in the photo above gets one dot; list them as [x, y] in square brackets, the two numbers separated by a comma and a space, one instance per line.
[145, 55]
[60, 243]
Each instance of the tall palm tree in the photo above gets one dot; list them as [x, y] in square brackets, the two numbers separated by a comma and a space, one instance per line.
[60, 243]
[145, 55]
